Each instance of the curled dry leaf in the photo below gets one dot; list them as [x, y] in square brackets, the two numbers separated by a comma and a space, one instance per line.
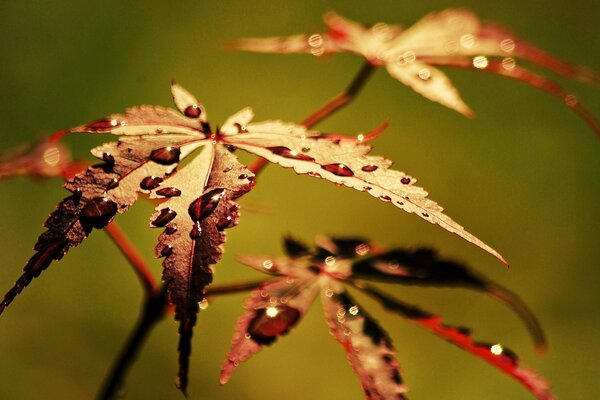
[305, 272]
[453, 37]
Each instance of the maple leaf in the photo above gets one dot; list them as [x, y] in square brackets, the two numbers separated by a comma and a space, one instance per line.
[453, 37]
[197, 198]
[278, 305]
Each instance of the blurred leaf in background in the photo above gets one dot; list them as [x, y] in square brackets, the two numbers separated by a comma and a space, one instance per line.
[523, 176]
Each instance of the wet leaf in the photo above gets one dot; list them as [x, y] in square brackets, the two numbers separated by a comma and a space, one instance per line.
[452, 37]
[335, 261]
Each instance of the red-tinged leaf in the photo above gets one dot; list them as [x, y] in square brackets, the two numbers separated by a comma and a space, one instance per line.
[494, 354]
[424, 267]
[369, 349]
[98, 194]
[410, 55]
[195, 221]
[272, 310]
[42, 160]
[346, 163]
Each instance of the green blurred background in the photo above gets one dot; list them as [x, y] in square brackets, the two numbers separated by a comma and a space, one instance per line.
[523, 176]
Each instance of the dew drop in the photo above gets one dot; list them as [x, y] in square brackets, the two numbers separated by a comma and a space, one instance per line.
[243, 176]
[150, 182]
[98, 212]
[196, 231]
[338, 169]
[287, 153]
[405, 180]
[169, 192]
[369, 168]
[113, 183]
[165, 155]
[102, 124]
[272, 322]
[171, 229]
[425, 214]
[203, 206]
[224, 223]
[385, 198]
[109, 159]
[166, 251]
[166, 215]
[192, 111]
[314, 174]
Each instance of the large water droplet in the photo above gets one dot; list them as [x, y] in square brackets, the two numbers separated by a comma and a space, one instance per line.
[205, 204]
[272, 322]
[287, 153]
[405, 180]
[166, 215]
[169, 192]
[224, 223]
[193, 111]
[98, 212]
[150, 182]
[171, 229]
[165, 155]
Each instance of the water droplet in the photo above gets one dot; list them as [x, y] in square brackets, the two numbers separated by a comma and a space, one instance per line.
[242, 176]
[171, 229]
[571, 100]
[287, 153]
[196, 231]
[272, 322]
[405, 180]
[109, 159]
[165, 155]
[98, 212]
[507, 45]
[150, 182]
[385, 198]
[166, 251]
[113, 183]
[314, 174]
[338, 169]
[169, 192]
[102, 124]
[227, 169]
[370, 168]
[425, 214]
[203, 206]
[424, 74]
[509, 63]
[193, 111]
[166, 215]
[480, 62]
[224, 223]
[400, 203]
[305, 149]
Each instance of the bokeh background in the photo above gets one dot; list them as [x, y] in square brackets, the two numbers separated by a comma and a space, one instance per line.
[523, 176]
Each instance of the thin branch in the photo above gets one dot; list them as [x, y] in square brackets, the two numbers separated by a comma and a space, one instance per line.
[343, 98]
[140, 267]
[218, 290]
[152, 312]
[333, 105]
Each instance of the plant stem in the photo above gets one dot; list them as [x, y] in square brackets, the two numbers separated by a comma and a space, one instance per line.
[333, 105]
[140, 267]
[232, 288]
[343, 98]
[152, 312]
